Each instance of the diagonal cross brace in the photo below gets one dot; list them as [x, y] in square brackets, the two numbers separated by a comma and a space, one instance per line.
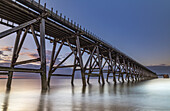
[10, 31]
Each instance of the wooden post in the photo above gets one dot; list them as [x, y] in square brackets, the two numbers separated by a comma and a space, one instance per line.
[80, 61]
[74, 69]
[140, 74]
[114, 73]
[113, 70]
[90, 65]
[36, 40]
[43, 54]
[14, 57]
[128, 71]
[135, 72]
[119, 67]
[132, 72]
[90, 68]
[51, 63]
[123, 68]
[100, 66]
[108, 73]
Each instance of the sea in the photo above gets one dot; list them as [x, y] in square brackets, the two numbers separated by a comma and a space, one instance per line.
[26, 95]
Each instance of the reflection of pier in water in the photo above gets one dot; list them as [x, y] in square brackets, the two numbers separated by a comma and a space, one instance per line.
[6, 100]
[47, 100]
[32, 18]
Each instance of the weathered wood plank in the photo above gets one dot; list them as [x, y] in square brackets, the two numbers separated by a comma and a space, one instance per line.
[10, 31]
[43, 54]
[27, 61]
[20, 70]
[3, 73]
[80, 60]
[51, 63]
[61, 75]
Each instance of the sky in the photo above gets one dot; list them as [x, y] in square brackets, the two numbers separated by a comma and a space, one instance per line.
[138, 28]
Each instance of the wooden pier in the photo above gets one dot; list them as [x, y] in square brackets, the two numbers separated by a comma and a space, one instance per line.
[30, 17]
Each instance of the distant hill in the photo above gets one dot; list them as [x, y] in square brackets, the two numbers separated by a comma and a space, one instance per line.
[160, 69]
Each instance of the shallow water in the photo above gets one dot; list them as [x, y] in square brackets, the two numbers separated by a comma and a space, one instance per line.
[25, 95]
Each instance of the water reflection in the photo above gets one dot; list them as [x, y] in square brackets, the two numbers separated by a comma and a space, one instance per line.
[41, 106]
[47, 100]
[108, 97]
[6, 99]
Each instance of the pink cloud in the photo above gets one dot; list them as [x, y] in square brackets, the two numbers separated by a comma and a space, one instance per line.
[30, 54]
[33, 55]
[25, 48]
[6, 48]
[2, 53]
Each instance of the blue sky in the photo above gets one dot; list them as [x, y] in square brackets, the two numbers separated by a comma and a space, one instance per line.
[139, 28]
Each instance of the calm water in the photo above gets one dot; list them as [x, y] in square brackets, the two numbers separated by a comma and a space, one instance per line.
[25, 95]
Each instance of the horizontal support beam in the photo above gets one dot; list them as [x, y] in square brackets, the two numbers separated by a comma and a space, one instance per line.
[67, 66]
[123, 73]
[96, 70]
[91, 74]
[27, 61]
[2, 73]
[21, 70]
[113, 76]
[60, 75]
[92, 68]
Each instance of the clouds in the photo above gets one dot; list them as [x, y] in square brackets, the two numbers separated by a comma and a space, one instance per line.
[5, 64]
[6, 48]
[32, 55]
[25, 48]
[6, 53]
[9, 48]
[48, 57]
[2, 53]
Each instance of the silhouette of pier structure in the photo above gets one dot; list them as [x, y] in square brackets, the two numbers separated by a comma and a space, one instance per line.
[30, 17]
